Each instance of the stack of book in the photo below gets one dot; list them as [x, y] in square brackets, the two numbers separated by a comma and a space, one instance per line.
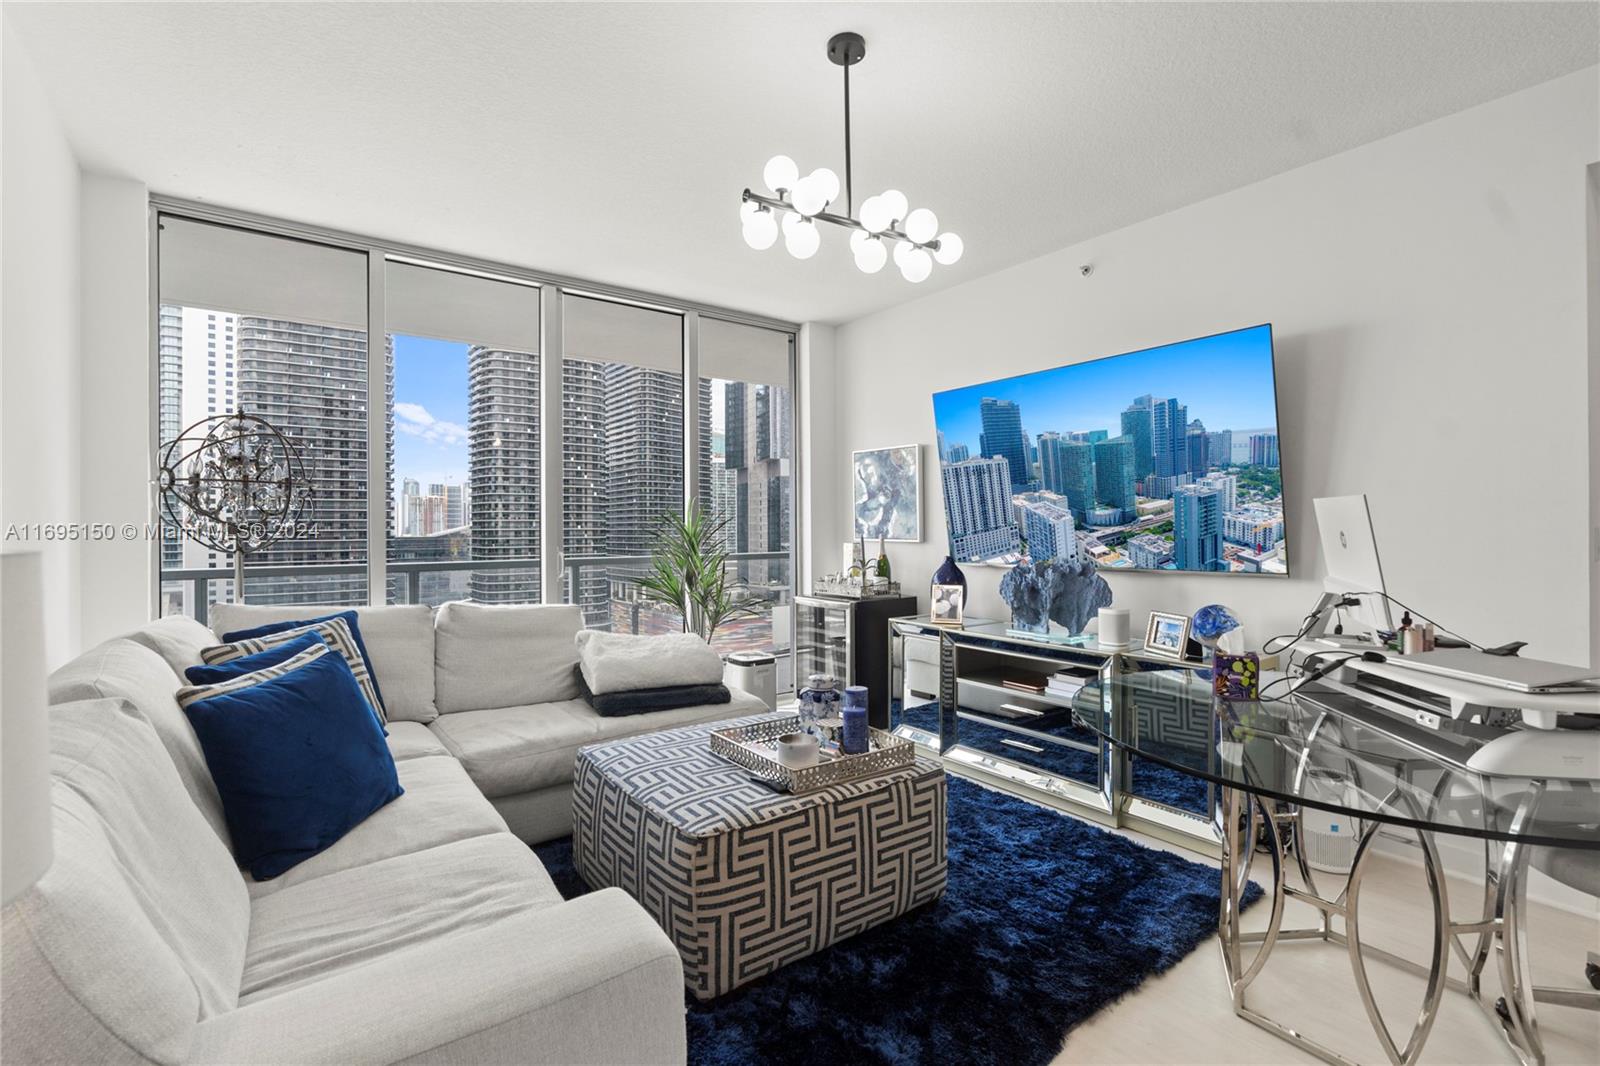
[1065, 685]
[1034, 683]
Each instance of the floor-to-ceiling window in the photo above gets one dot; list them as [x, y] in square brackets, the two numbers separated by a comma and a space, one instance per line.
[276, 328]
[466, 444]
[622, 455]
[476, 388]
[746, 465]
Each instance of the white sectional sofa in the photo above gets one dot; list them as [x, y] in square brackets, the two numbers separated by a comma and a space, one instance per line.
[429, 933]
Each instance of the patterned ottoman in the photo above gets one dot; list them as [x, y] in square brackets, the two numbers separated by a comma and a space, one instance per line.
[744, 879]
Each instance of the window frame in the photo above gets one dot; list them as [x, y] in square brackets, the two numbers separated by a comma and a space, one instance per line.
[552, 355]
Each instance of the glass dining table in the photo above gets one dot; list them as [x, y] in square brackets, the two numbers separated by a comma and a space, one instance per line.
[1324, 756]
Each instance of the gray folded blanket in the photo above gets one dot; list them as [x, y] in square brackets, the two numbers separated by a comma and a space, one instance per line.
[644, 700]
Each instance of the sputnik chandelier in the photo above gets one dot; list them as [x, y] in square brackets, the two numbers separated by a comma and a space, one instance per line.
[802, 202]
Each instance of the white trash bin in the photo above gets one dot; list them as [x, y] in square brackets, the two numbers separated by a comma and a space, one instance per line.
[754, 672]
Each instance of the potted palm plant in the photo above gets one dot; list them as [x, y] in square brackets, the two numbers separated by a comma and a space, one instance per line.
[689, 570]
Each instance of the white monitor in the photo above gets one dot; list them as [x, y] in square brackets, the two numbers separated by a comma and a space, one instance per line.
[1351, 552]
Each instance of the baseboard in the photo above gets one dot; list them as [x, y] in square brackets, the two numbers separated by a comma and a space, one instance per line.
[1463, 857]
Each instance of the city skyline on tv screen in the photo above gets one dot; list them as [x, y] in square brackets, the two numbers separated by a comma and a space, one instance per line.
[1164, 459]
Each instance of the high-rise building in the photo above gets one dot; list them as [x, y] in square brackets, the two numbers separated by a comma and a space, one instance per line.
[197, 367]
[1077, 479]
[722, 490]
[584, 489]
[1049, 528]
[453, 505]
[1114, 480]
[758, 454]
[1148, 551]
[977, 499]
[310, 382]
[1137, 424]
[408, 517]
[1169, 437]
[1264, 449]
[958, 453]
[1219, 449]
[1003, 436]
[644, 454]
[1052, 457]
[170, 395]
[1196, 441]
[1227, 485]
[503, 465]
[1197, 528]
[1255, 527]
[1157, 487]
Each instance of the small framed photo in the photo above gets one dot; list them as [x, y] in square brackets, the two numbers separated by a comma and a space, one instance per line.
[1167, 634]
[948, 601]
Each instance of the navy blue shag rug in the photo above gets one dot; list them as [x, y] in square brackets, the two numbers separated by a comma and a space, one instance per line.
[1045, 920]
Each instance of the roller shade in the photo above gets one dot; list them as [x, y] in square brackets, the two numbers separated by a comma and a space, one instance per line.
[429, 302]
[204, 265]
[735, 352]
[606, 332]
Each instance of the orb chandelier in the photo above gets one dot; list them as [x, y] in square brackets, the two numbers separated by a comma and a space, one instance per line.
[887, 220]
[234, 483]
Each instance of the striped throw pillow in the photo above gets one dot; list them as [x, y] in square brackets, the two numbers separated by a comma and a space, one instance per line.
[190, 693]
[334, 631]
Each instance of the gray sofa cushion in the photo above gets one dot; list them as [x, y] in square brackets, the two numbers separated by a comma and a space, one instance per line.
[399, 641]
[409, 740]
[518, 749]
[349, 919]
[177, 638]
[138, 928]
[122, 668]
[508, 750]
[504, 656]
[440, 805]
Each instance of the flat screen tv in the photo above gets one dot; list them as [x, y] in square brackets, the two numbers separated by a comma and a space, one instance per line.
[1164, 459]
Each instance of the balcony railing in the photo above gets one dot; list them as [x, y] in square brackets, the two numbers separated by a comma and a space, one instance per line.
[406, 586]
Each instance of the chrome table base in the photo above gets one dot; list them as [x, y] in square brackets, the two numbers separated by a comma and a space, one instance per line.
[1502, 930]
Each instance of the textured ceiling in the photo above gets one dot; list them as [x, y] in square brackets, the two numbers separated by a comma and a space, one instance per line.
[611, 141]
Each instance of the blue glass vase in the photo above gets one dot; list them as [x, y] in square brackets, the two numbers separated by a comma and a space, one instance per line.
[950, 574]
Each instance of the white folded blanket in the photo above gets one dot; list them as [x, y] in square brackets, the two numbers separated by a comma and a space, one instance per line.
[613, 662]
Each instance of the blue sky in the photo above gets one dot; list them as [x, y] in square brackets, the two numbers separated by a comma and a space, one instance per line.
[430, 411]
[1225, 380]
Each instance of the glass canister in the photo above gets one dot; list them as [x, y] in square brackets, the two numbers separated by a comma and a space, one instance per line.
[816, 701]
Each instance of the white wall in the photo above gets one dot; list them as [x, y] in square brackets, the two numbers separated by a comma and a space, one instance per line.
[118, 404]
[39, 337]
[1427, 293]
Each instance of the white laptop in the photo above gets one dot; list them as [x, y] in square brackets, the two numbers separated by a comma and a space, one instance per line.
[1503, 671]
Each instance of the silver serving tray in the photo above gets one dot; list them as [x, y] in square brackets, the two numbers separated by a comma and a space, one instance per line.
[754, 747]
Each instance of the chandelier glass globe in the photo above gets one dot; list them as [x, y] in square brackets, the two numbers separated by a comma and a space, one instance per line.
[921, 225]
[875, 214]
[896, 202]
[761, 231]
[809, 195]
[915, 265]
[869, 252]
[780, 173]
[950, 249]
[800, 236]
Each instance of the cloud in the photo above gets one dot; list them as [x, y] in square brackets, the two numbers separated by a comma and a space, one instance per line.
[413, 420]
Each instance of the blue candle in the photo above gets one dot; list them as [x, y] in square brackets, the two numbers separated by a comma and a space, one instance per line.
[855, 740]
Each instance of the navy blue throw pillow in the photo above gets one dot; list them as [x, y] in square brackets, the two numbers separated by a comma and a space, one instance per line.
[211, 674]
[298, 759]
[355, 631]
